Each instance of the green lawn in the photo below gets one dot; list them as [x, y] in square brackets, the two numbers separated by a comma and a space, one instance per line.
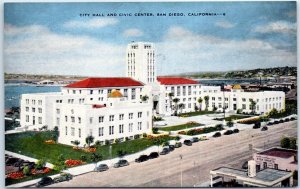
[190, 114]
[180, 127]
[232, 117]
[32, 144]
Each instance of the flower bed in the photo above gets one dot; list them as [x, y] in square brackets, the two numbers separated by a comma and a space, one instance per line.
[90, 150]
[50, 142]
[42, 171]
[201, 130]
[71, 162]
[249, 120]
[16, 175]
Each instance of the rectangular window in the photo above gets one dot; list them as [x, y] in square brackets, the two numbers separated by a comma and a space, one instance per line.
[213, 98]
[219, 98]
[72, 119]
[40, 102]
[66, 118]
[111, 118]
[74, 92]
[243, 106]
[130, 127]
[226, 99]
[121, 128]
[139, 126]
[27, 118]
[27, 109]
[57, 111]
[121, 116]
[79, 120]
[111, 130]
[66, 130]
[40, 120]
[130, 115]
[57, 121]
[91, 91]
[133, 94]
[125, 92]
[276, 166]
[265, 165]
[27, 101]
[101, 129]
[72, 131]
[33, 109]
[139, 114]
[101, 119]
[234, 99]
[91, 120]
[243, 99]
[33, 102]
[79, 133]
[40, 110]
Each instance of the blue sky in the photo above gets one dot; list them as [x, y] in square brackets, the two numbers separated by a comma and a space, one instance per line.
[52, 38]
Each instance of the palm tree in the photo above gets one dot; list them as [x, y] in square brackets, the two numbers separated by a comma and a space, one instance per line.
[89, 140]
[200, 100]
[170, 98]
[76, 142]
[206, 99]
[252, 106]
[144, 98]
[181, 106]
[176, 100]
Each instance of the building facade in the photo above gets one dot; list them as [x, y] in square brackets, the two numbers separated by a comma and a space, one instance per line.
[90, 107]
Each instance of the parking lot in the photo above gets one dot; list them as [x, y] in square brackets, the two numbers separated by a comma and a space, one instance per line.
[194, 166]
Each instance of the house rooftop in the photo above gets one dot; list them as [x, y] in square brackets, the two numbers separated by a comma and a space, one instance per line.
[105, 82]
[175, 80]
[279, 152]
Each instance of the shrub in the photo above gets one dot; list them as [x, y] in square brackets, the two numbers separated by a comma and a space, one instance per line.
[137, 136]
[26, 170]
[239, 111]
[117, 141]
[154, 130]
[97, 143]
[287, 119]
[40, 164]
[127, 139]
[107, 142]
[177, 138]
[144, 135]
[293, 143]
[182, 132]
[285, 142]
[83, 158]
[229, 124]
[61, 157]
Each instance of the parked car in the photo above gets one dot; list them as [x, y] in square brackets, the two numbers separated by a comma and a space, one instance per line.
[101, 167]
[178, 145]
[142, 158]
[203, 138]
[153, 155]
[11, 161]
[63, 177]
[228, 132]
[276, 122]
[217, 134]
[121, 163]
[187, 142]
[171, 147]
[236, 130]
[293, 118]
[164, 151]
[286, 119]
[195, 139]
[44, 182]
[270, 123]
[281, 121]
[264, 128]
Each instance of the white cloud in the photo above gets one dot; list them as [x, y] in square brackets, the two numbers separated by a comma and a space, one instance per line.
[184, 51]
[51, 53]
[277, 27]
[224, 24]
[133, 32]
[92, 23]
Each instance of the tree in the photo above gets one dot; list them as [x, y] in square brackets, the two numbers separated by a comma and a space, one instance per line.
[55, 133]
[40, 164]
[89, 140]
[200, 100]
[206, 99]
[176, 100]
[293, 143]
[273, 113]
[181, 106]
[76, 143]
[26, 170]
[171, 99]
[285, 142]
[154, 130]
[229, 124]
[252, 106]
[95, 158]
[144, 98]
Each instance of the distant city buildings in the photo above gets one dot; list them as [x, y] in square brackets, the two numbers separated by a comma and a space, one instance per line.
[122, 107]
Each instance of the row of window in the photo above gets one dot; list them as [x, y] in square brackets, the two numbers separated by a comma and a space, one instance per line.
[33, 102]
[100, 91]
[40, 120]
[111, 129]
[40, 110]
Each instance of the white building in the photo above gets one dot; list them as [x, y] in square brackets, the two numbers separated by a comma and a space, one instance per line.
[111, 108]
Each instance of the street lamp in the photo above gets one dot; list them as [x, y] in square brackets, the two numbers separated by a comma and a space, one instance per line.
[180, 156]
[110, 154]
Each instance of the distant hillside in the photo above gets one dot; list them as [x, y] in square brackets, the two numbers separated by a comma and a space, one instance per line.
[264, 72]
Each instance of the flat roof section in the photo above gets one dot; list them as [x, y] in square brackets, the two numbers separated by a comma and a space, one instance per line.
[279, 152]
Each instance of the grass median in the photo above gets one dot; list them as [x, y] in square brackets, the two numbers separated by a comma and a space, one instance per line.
[181, 127]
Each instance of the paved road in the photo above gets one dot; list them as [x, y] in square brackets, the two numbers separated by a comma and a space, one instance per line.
[195, 165]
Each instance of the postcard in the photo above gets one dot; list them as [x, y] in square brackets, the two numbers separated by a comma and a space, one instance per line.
[150, 94]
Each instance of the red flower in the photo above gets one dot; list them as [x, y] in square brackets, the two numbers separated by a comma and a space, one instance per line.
[15, 175]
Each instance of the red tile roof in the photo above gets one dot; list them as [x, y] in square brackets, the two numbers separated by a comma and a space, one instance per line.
[279, 152]
[105, 82]
[175, 81]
